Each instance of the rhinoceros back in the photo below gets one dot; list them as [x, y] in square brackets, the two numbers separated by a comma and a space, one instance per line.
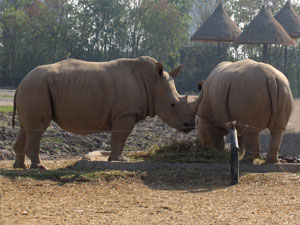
[252, 93]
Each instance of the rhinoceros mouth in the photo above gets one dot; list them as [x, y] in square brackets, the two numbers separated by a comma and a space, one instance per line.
[185, 129]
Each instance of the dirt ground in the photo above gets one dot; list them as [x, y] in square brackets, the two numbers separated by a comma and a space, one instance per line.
[158, 197]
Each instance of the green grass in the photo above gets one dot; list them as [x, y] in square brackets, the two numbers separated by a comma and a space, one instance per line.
[66, 175]
[52, 140]
[6, 96]
[5, 109]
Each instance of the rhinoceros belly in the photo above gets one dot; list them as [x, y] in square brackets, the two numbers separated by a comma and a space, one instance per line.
[82, 105]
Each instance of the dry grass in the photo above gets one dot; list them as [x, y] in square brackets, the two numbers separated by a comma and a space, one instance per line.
[159, 197]
[188, 152]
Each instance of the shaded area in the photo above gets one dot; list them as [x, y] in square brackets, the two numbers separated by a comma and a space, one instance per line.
[190, 178]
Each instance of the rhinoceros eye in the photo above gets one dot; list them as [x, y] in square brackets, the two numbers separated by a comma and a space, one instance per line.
[173, 104]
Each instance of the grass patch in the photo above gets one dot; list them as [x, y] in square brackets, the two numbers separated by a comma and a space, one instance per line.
[6, 96]
[67, 176]
[52, 140]
[5, 109]
[187, 152]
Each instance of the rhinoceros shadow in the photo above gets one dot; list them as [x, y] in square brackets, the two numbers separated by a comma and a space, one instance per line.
[190, 179]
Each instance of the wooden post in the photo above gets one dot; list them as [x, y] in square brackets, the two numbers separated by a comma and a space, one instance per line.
[234, 153]
[265, 53]
[285, 56]
[219, 52]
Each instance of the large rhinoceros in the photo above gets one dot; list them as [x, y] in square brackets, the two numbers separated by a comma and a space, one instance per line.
[256, 95]
[92, 97]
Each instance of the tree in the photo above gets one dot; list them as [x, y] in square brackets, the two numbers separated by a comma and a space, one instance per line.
[32, 33]
[165, 30]
[12, 21]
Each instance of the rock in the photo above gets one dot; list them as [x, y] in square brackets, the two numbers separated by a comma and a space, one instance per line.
[6, 155]
[95, 156]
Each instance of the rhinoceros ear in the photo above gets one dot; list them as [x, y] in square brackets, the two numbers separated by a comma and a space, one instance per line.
[174, 73]
[200, 84]
[159, 68]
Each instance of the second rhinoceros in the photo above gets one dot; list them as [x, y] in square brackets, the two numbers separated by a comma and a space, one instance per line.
[92, 97]
[256, 95]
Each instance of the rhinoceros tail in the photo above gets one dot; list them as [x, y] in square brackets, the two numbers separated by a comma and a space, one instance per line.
[14, 110]
[272, 86]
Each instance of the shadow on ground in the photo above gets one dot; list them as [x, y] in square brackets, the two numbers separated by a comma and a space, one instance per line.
[191, 180]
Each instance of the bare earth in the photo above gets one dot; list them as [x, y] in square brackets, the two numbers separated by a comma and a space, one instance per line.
[259, 199]
[159, 197]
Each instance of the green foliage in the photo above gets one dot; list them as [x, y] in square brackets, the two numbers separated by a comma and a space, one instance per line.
[199, 59]
[166, 28]
[39, 32]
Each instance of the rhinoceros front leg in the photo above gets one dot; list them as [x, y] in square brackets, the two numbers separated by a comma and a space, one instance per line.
[121, 128]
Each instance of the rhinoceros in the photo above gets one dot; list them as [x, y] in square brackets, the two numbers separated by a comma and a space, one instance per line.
[254, 94]
[91, 97]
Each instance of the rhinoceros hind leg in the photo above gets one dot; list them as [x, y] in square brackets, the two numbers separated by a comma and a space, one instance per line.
[241, 143]
[38, 166]
[252, 149]
[32, 149]
[121, 129]
[276, 138]
[19, 148]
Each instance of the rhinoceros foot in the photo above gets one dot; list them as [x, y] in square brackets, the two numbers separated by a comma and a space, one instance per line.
[117, 158]
[272, 159]
[19, 165]
[247, 160]
[38, 166]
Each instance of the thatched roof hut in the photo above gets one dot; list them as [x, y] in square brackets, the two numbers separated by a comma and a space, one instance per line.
[290, 20]
[218, 27]
[264, 29]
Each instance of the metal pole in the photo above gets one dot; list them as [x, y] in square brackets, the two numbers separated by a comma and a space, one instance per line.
[234, 153]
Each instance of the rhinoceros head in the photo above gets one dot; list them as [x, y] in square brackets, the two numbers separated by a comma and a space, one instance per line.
[172, 108]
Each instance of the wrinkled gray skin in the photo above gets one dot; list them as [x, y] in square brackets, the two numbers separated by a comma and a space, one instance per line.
[256, 95]
[91, 97]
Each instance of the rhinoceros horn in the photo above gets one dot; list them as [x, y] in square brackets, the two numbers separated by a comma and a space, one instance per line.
[174, 73]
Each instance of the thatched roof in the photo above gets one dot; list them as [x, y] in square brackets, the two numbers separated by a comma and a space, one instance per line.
[218, 27]
[264, 29]
[290, 20]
